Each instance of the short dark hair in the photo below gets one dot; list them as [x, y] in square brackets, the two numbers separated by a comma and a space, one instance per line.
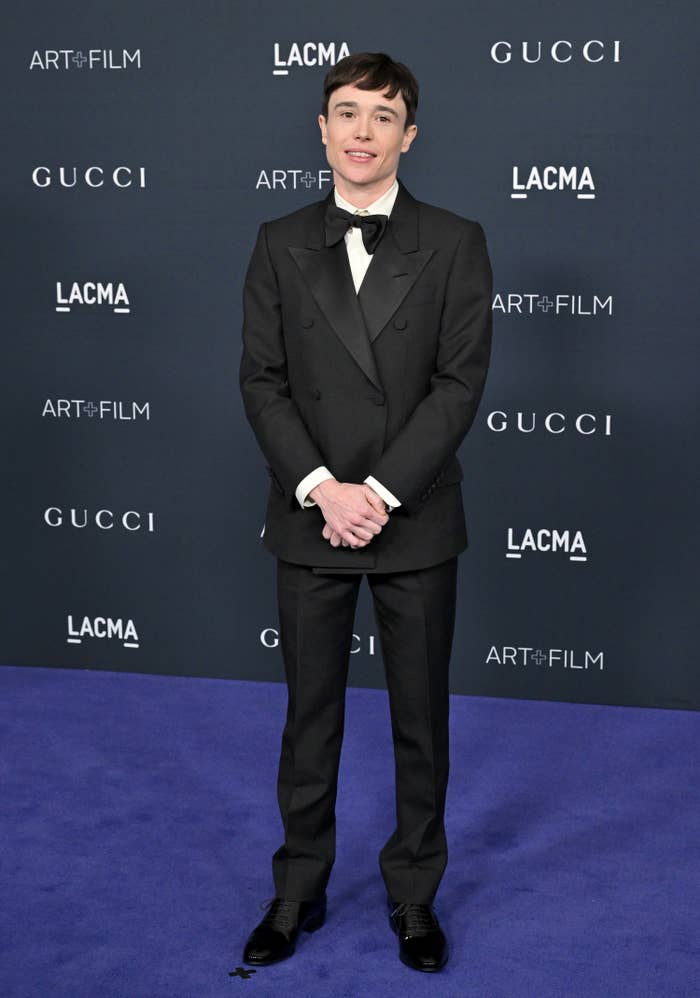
[373, 71]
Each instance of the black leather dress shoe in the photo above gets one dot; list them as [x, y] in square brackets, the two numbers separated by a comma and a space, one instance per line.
[422, 943]
[275, 937]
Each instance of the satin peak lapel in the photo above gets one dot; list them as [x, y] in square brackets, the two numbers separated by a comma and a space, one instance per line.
[326, 270]
[358, 319]
[395, 265]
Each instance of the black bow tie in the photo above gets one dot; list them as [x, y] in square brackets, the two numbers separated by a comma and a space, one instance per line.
[338, 222]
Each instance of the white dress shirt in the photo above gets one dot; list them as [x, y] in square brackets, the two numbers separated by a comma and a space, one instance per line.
[359, 260]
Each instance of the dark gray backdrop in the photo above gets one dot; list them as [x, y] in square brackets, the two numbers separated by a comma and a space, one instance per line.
[226, 142]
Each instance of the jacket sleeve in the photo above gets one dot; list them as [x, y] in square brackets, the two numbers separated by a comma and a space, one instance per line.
[426, 443]
[276, 421]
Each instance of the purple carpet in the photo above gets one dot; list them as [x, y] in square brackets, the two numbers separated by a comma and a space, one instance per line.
[139, 818]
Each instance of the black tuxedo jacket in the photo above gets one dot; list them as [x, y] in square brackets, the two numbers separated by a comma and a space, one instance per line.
[385, 382]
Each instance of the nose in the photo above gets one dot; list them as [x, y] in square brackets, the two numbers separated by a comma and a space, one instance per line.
[362, 129]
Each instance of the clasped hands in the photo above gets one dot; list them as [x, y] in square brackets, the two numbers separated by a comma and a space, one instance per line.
[354, 514]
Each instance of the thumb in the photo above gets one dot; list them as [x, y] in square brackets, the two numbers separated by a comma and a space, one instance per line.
[375, 501]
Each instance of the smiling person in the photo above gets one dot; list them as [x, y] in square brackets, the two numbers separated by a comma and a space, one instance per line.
[366, 345]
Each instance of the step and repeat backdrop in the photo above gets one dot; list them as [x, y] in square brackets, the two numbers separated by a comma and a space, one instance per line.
[145, 143]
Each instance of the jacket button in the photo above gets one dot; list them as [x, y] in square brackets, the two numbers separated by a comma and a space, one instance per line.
[307, 322]
[400, 322]
[378, 399]
[316, 393]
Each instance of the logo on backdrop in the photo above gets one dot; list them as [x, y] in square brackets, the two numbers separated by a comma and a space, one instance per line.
[103, 519]
[105, 409]
[102, 627]
[511, 303]
[93, 295]
[91, 176]
[300, 55]
[546, 541]
[520, 656]
[554, 178]
[89, 59]
[293, 180]
[270, 638]
[585, 423]
[560, 51]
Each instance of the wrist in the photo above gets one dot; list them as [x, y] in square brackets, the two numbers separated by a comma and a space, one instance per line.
[324, 489]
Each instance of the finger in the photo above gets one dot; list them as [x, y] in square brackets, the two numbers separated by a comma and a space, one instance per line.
[352, 539]
[374, 516]
[372, 526]
[365, 533]
[364, 521]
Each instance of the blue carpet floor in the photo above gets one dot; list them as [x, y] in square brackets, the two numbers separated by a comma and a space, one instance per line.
[139, 817]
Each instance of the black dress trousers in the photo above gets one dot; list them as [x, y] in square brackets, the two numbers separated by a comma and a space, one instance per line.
[415, 614]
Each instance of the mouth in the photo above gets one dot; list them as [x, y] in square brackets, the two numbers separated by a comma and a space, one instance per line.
[360, 155]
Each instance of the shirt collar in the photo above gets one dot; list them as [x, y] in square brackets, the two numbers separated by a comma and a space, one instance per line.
[382, 206]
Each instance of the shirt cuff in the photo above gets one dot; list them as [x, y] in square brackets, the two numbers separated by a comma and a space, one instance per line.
[310, 482]
[383, 493]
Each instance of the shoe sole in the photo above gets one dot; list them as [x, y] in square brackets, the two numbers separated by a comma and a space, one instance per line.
[423, 970]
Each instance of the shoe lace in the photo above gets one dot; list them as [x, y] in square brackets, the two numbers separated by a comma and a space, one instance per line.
[281, 915]
[418, 918]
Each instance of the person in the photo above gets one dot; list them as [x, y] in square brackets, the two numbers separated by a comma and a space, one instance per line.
[366, 344]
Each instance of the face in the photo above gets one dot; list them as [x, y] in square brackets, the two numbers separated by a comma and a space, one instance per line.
[364, 121]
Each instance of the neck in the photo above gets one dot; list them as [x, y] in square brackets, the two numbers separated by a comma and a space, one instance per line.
[361, 195]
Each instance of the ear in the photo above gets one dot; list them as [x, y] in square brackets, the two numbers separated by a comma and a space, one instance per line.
[409, 136]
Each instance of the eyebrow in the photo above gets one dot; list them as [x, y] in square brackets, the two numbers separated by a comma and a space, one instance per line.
[377, 107]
